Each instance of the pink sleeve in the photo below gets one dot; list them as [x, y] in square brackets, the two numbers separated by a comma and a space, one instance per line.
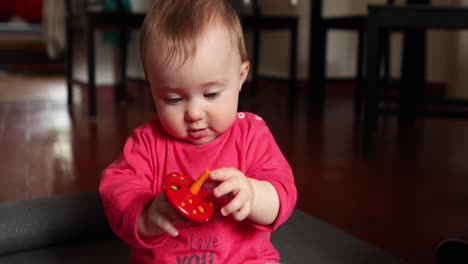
[126, 188]
[268, 163]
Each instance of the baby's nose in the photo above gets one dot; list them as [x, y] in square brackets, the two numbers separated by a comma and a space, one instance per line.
[194, 113]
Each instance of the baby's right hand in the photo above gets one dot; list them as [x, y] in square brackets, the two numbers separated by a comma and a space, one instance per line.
[158, 218]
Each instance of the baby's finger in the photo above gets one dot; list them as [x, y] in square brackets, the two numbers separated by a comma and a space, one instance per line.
[225, 188]
[223, 174]
[242, 213]
[236, 204]
[166, 225]
[172, 213]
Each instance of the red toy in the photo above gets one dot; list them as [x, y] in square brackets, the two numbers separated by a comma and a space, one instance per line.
[188, 197]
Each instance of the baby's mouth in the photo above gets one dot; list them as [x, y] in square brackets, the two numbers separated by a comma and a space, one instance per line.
[198, 133]
[196, 129]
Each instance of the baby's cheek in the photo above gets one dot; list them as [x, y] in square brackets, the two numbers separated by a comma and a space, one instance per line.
[172, 127]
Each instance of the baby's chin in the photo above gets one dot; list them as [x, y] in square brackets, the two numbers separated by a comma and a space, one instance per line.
[200, 141]
[197, 140]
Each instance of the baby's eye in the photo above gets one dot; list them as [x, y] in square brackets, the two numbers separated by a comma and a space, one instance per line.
[172, 100]
[211, 95]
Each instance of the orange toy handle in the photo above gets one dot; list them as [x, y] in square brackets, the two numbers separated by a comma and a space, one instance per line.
[195, 187]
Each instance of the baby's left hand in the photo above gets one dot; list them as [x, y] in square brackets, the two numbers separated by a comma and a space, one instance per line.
[234, 182]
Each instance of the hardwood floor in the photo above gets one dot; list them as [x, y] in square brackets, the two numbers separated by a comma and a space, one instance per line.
[406, 197]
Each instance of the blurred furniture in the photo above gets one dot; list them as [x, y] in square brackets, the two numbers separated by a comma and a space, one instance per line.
[412, 101]
[72, 228]
[413, 69]
[319, 27]
[22, 43]
[452, 251]
[91, 20]
[22, 36]
[258, 23]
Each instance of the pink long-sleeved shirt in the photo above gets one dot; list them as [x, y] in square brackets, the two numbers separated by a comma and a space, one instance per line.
[130, 184]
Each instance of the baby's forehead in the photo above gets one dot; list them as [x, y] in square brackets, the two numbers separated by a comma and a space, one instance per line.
[167, 52]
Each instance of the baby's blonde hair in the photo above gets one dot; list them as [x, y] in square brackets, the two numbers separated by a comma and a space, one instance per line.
[174, 26]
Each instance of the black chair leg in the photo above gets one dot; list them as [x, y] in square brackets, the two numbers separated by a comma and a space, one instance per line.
[91, 73]
[358, 92]
[292, 70]
[317, 44]
[256, 51]
[69, 50]
[371, 95]
[413, 75]
[317, 68]
[120, 88]
[385, 55]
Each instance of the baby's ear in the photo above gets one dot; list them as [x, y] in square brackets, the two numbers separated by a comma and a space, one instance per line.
[245, 67]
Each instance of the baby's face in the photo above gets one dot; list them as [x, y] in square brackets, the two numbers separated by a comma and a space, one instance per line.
[198, 101]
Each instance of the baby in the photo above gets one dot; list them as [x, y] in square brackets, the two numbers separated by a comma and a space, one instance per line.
[194, 58]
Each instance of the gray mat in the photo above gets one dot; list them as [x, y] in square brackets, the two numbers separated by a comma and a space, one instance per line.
[112, 251]
[30, 224]
[305, 239]
[72, 229]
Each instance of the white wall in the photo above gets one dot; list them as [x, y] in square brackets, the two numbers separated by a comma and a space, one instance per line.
[274, 56]
[341, 55]
[104, 56]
